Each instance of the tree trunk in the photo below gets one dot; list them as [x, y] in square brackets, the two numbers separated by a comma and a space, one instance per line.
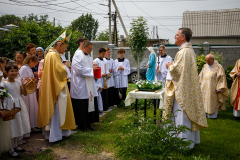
[138, 67]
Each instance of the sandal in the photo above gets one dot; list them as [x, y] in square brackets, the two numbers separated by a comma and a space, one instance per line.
[19, 150]
[12, 156]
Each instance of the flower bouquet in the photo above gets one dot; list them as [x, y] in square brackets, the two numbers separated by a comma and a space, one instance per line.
[144, 85]
[9, 114]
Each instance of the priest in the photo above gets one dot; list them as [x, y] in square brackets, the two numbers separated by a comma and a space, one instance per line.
[161, 69]
[214, 87]
[55, 113]
[235, 90]
[83, 90]
[182, 90]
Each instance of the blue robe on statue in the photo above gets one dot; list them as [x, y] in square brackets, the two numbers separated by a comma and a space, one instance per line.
[150, 74]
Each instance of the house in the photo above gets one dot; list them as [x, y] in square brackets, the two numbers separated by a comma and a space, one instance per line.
[218, 27]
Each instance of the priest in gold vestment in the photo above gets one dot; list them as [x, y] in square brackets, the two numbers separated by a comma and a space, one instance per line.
[55, 113]
[182, 89]
[214, 87]
[235, 90]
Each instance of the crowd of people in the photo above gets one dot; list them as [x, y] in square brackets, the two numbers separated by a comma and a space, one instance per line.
[71, 95]
[68, 95]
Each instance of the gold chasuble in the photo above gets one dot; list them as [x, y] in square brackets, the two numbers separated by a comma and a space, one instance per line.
[212, 79]
[53, 81]
[235, 89]
[185, 88]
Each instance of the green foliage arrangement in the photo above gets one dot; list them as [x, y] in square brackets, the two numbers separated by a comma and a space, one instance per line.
[144, 139]
[229, 79]
[137, 40]
[201, 60]
[87, 25]
[144, 84]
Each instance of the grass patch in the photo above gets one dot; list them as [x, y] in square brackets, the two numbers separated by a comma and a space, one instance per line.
[220, 140]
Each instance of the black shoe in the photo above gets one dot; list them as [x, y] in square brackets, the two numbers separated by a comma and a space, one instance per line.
[91, 128]
[100, 112]
[10, 155]
[237, 118]
[19, 150]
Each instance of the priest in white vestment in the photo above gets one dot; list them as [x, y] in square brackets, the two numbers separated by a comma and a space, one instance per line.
[182, 89]
[161, 61]
[83, 90]
[214, 87]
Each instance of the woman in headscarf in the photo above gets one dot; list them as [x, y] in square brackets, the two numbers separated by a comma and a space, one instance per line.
[150, 74]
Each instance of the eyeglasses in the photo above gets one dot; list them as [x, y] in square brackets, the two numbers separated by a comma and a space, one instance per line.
[90, 48]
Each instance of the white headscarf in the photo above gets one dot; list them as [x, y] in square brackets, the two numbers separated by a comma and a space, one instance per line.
[152, 51]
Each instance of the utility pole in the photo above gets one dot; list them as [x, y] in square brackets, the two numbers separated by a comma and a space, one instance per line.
[110, 16]
[115, 24]
[54, 21]
[120, 18]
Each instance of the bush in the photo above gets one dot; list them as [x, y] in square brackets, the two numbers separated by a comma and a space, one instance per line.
[229, 79]
[201, 60]
[146, 139]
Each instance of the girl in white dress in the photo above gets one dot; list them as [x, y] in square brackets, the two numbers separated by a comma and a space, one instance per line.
[20, 125]
[31, 99]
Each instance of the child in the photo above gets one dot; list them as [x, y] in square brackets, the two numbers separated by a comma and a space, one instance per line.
[31, 99]
[121, 73]
[19, 126]
[101, 62]
[19, 58]
[98, 83]
[110, 81]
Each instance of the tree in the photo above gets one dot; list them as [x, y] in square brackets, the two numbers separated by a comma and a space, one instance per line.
[104, 36]
[87, 25]
[9, 19]
[138, 39]
[40, 33]
[34, 18]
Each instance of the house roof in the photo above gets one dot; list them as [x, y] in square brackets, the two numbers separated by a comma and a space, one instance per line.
[213, 23]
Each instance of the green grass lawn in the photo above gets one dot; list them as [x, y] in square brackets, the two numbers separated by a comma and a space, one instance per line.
[220, 140]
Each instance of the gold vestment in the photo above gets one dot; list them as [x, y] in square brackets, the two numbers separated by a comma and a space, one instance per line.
[234, 96]
[185, 88]
[53, 80]
[212, 79]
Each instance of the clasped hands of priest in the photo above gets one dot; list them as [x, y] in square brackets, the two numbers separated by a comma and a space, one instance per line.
[168, 64]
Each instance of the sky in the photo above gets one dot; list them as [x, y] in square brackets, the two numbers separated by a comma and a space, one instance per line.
[165, 14]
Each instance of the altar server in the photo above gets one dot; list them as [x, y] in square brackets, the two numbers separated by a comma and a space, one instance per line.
[214, 87]
[121, 72]
[55, 113]
[110, 80]
[235, 90]
[83, 89]
[182, 90]
[161, 69]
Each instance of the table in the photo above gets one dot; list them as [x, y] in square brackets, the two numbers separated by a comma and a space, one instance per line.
[134, 96]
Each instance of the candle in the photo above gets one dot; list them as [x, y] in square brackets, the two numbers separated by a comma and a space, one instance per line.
[69, 55]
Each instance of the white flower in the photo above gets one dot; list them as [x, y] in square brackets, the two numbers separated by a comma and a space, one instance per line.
[147, 82]
[154, 82]
[141, 83]
[1, 93]
[139, 86]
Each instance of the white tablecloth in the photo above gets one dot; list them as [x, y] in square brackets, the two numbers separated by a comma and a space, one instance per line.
[132, 96]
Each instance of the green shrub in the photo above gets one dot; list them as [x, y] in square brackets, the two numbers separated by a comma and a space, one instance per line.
[229, 79]
[143, 138]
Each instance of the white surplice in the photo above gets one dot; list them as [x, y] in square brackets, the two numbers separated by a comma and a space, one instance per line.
[121, 76]
[99, 97]
[182, 119]
[110, 65]
[31, 99]
[161, 62]
[104, 69]
[78, 82]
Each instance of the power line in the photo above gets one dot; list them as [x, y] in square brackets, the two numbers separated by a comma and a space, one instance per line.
[153, 18]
